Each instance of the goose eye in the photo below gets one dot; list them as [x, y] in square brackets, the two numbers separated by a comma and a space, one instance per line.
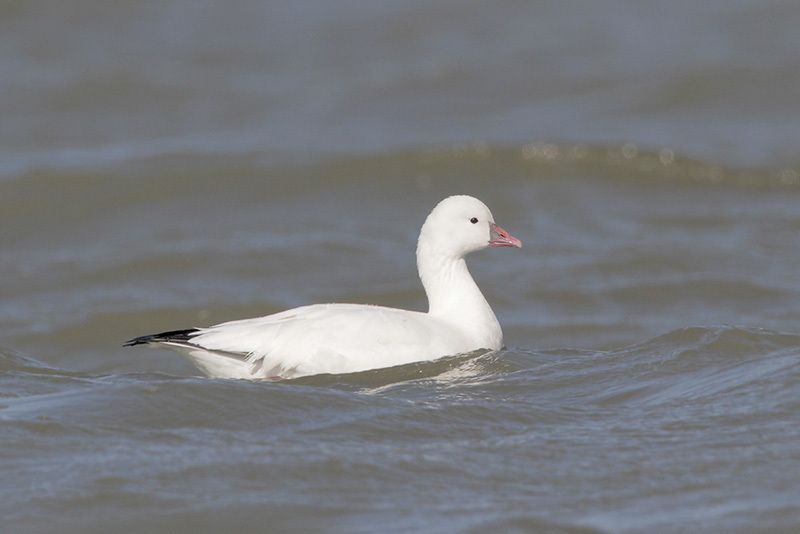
[474, 220]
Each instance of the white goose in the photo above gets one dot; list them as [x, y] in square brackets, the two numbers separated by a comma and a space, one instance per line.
[344, 338]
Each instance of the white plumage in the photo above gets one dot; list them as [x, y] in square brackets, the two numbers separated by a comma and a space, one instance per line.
[343, 338]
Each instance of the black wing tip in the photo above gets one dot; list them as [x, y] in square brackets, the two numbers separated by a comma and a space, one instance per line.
[172, 335]
[142, 340]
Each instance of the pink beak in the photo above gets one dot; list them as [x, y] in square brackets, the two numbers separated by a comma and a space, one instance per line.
[500, 238]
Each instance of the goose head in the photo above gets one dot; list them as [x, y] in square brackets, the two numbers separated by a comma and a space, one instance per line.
[461, 224]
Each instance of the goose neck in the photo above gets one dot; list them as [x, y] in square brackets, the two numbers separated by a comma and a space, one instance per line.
[450, 288]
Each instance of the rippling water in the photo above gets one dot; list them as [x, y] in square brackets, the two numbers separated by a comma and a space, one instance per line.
[690, 430]
[170, 166]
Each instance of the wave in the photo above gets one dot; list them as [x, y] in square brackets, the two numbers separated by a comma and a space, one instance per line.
[615, 422]
[11, 361]
[687, 369]
[682, 351]
[201, 162]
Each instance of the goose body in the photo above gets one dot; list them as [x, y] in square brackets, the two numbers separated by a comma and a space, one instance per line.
[343, 338]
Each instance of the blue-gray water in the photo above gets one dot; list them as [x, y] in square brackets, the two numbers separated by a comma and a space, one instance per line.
[173, 165]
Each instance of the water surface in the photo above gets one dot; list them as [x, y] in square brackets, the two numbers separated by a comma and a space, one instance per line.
[163, 167]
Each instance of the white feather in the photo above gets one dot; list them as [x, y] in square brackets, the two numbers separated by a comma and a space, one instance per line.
[341, 338]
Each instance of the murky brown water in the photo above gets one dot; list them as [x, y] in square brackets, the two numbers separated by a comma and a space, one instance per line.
[164, 167]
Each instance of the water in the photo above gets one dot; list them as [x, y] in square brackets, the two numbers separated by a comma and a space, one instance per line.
[169, 166]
